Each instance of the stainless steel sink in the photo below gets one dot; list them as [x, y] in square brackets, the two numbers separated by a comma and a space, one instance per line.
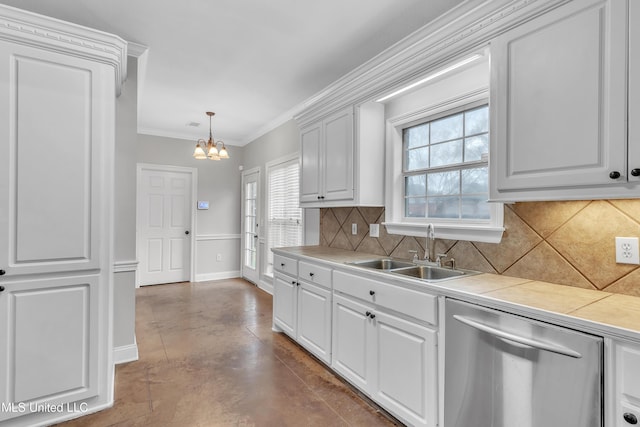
[430, 273]
[383, 264]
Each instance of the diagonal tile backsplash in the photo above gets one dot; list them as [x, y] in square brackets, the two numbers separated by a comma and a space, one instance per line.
[570, 242]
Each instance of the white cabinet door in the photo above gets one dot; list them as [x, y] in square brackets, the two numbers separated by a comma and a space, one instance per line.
[314, 320]
[624, 370]
[311, 163]
[56, 137]
[406, 377]
[352, 342]
[338, 155]
[558, 101]
[285, 302]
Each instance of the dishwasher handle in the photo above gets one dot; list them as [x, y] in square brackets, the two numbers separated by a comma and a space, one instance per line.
[554, 348]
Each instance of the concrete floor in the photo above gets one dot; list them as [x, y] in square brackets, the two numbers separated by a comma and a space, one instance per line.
[208, 357]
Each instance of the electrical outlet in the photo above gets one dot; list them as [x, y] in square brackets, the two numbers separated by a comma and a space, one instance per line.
[374, 230]
[627, 250]
[354, 228]
[219, 257]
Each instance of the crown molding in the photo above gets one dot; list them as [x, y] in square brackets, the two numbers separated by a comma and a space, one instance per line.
[43, 32]
[184, 137]
[136, 50]
[461, 31]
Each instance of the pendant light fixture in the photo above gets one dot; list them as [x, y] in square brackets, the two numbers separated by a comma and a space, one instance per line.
[209, 149]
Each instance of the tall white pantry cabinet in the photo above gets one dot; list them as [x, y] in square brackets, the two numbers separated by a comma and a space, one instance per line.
[58, 84]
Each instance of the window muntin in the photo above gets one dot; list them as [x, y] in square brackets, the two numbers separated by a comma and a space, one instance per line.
[445, 166]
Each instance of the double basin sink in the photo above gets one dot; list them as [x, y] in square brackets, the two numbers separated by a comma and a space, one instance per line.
[428, 273]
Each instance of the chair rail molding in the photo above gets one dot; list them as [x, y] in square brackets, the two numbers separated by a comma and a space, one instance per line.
[32, 29]
[125, 266]
[463, 30]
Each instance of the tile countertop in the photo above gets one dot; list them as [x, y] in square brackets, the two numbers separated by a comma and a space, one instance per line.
[613, 314]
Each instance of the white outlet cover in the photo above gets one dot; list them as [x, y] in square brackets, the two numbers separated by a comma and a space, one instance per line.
[627, 250]
[374, 230]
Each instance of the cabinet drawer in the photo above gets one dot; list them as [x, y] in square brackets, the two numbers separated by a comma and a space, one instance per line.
[402, 300]
[285, 264]
[315, 274]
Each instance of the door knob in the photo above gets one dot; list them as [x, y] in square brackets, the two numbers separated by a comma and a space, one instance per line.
[186, 232]
[614, 175]
[635, 172]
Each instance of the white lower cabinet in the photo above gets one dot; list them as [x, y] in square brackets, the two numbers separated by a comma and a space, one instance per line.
[391, 358]
[626, 384]
[314, 320]
[302, 304]
[285, 303]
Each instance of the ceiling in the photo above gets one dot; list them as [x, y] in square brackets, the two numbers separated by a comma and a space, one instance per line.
[250, 61]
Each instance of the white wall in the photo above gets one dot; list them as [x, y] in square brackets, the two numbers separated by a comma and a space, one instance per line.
[218, 228]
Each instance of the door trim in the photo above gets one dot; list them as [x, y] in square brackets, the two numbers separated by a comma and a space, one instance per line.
[194, 186]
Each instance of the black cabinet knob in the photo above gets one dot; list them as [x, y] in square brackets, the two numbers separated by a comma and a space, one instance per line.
[368, 313]
[630, 418]
[1, 288]
[614, 175]
[311, 274]
[282, 264]
[372, 292]
[373, 316]
[2, 272]
[186, 232]
[293, 282]
[635, 172]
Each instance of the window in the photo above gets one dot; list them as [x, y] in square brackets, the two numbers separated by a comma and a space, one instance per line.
[284, 216]
[445, 166]
[437, 167]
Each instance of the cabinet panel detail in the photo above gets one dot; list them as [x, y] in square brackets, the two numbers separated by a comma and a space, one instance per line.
[52, 215]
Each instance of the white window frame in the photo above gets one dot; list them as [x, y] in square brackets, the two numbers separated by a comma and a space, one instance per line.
[269, 166]
[489, 231]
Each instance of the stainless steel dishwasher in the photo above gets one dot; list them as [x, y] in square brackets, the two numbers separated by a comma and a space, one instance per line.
[503, 370]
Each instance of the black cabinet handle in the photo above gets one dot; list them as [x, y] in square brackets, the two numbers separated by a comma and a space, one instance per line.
[297, 283]
[373, 316]
[368, 313]
[293, 282]
[311, 274]
[635, 172]
[372, 292]
[2, 272]
[614, 175]
[630, 418]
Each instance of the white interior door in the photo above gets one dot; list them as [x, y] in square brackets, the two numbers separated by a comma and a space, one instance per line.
[250, 234]
[164, 224]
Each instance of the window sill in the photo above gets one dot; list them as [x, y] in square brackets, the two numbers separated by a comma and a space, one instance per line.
[475, 233]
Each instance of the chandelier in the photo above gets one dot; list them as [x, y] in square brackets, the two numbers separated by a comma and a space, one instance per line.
[209, 149]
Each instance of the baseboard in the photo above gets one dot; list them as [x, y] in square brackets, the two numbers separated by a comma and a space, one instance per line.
[266, 286]
[217, 276]
[125, 353]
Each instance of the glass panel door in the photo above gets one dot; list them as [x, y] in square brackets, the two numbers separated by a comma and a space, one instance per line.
[250, 202]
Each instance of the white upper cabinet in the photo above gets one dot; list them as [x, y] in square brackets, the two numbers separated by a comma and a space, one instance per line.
[559, 106]
[342, 158]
